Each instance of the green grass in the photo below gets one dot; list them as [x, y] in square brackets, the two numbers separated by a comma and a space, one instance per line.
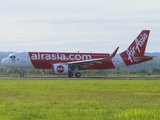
[79, 99]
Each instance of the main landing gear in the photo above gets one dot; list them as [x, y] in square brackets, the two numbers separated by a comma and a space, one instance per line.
[70, 74]
[78, 74]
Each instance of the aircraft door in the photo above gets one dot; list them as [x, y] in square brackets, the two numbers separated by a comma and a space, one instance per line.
[23, 57]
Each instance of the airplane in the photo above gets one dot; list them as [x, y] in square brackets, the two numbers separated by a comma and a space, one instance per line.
[72, 63]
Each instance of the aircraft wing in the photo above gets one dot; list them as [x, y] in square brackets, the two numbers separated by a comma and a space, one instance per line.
[89, 62]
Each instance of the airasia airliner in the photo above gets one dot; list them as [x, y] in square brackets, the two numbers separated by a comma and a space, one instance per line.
[70, 63]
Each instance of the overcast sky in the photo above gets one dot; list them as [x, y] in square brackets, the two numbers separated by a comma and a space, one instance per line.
[77, 25]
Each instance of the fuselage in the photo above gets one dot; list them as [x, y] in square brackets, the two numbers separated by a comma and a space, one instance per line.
[45, 60]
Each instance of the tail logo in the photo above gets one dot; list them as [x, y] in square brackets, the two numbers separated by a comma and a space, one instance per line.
[136, 47]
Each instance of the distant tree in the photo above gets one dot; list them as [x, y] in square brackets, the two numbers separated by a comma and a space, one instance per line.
[143, 71]
[155, 70]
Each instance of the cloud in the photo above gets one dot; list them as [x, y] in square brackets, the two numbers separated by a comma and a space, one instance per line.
[86, 25]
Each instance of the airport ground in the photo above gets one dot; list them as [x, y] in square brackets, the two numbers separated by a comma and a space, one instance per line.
[65, 77]
[86, 98]
[45, 97]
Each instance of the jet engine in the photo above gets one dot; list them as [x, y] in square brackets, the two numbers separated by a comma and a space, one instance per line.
[60, 69]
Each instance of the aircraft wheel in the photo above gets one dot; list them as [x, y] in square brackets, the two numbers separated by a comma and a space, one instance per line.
[78, 74]
[21, 75]
[70, 74]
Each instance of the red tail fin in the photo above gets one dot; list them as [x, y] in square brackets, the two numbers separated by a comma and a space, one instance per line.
[136, 49]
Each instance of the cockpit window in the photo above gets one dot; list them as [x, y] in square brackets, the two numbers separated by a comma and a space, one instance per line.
[12, 56]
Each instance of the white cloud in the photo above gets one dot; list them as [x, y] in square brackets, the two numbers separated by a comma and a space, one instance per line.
[84, 25]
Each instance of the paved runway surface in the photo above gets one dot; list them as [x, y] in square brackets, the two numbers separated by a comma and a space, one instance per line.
[82, 78]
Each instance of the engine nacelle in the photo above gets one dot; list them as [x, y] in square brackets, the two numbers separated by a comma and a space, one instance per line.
[60, 69]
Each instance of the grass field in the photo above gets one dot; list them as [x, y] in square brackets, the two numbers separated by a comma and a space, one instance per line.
[80, 99]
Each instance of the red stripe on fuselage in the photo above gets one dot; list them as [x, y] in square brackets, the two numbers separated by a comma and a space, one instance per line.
[44, 60]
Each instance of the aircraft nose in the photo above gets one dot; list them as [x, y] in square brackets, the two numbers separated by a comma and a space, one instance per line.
[4, 62]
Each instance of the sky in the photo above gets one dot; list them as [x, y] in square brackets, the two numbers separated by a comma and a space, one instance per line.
[77, 25]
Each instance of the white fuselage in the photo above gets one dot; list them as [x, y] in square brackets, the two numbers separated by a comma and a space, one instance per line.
[18, 60]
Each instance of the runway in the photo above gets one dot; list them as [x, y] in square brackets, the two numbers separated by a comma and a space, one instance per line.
[82, 78]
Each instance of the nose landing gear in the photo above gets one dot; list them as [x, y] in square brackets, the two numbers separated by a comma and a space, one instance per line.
[22, 73]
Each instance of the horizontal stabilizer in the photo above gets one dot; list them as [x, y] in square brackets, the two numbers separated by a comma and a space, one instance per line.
[138, 59]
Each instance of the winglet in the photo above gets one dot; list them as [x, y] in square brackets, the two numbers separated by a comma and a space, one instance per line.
[107, 58]
[114, 53]
[110, 57]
